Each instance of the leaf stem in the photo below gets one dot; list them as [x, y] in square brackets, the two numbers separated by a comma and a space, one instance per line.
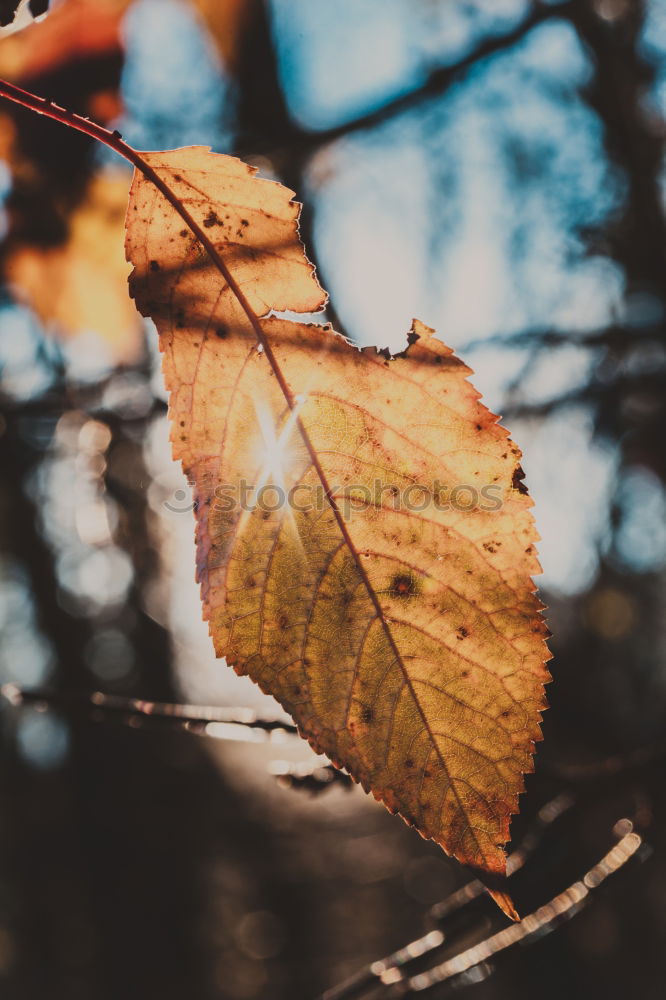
[43, 106]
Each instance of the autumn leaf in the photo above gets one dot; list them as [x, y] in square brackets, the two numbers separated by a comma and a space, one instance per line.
[396, 622]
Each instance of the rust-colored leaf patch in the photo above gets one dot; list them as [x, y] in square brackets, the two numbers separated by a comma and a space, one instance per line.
[364, 540]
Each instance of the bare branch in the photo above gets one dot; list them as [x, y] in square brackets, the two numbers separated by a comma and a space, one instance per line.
[561, 907]
[204, 719]
[391, 972]
[236, 723]
[302, 143]
[387, 969]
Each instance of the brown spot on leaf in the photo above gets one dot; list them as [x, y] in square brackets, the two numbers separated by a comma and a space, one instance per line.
[211, 219]
[517, 480]
[403, 585]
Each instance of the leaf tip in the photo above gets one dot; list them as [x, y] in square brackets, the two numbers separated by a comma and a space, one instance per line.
[505, 903]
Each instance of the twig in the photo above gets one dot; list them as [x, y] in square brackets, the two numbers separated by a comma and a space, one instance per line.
[612, 335]
[223, 722]
[561, 907]
[390, 972]
[389, 969]
[302, 142]
[309, 777]
[206, 719]
[608, 767]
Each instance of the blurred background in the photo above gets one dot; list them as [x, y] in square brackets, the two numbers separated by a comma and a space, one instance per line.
[494, 168]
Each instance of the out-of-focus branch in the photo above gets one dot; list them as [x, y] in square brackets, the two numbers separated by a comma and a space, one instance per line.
[650, 383]
[392, 974]
[207, 719]
[309, 777]
[390, 969]
[539, 339]
[616, 93]
[301, 143]
[561, 907]
[223, 722]
[609, 767]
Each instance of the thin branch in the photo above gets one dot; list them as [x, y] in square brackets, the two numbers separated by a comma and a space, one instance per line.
[313, 777]
[391, 972]
[608, 767]
[302, 143]
[651, 381]
[389, 969]
[613, 335]
[240, 723]
[561, 907]
[207, 719]
[222, 723]
[48, 108]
